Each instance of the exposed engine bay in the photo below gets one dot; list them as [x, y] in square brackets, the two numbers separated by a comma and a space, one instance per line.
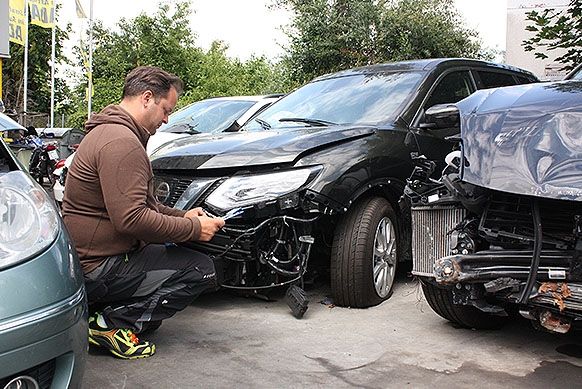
[488, 247]
[502, 247]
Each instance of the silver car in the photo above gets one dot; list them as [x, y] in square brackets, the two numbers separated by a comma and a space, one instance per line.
[43, 307]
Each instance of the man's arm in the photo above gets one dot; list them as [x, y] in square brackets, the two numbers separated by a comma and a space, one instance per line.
[124, 173]
[170, 211]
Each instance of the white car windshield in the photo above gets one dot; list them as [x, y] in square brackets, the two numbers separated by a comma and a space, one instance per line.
[206, 116]
[367, 99]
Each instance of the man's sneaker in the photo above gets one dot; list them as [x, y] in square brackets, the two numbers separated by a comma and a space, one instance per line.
[120, 342]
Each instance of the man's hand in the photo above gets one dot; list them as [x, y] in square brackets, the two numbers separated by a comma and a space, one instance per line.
[209, 226]
[195, 212]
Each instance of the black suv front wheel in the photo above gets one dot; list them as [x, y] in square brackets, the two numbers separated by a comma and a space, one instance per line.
[364, 254]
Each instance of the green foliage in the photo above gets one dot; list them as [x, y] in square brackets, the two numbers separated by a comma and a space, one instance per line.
[557, 30]
[39, 73]
[165, 40]
[219, 75]
[330, 35]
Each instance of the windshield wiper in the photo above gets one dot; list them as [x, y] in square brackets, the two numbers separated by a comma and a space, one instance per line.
[311, 122]
[184, 128]
[263, 123]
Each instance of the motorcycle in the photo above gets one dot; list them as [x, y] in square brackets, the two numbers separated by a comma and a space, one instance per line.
[43, 160]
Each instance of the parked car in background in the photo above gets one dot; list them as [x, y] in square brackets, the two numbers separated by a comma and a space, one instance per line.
[206, 116]
[501, 229]
[210, 116]
[10, 129]
[43, 309]
[327, 163]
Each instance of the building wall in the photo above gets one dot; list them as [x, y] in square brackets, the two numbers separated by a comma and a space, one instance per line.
[546, 69]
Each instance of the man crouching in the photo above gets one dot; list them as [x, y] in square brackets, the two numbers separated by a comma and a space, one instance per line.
[134, 278]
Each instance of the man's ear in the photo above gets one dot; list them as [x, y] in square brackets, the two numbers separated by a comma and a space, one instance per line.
[146, 96]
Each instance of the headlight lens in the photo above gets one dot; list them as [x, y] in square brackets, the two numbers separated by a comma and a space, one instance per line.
[28, 219]
[246, 190]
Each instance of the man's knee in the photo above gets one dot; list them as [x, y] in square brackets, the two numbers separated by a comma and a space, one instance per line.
[199, 267]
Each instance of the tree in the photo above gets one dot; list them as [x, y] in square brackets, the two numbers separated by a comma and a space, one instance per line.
[219, 75]
[330, 35]
[39, 71]
[557, 30]
[165, 40]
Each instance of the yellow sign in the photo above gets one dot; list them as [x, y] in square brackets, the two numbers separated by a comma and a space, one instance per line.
[42, 13]
[17, 21]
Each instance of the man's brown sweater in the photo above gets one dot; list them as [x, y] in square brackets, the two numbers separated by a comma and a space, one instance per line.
[109, 207]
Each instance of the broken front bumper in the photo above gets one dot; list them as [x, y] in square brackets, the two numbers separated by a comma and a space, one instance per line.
[261, 255]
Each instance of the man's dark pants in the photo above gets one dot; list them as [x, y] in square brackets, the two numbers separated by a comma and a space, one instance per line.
[143, 287]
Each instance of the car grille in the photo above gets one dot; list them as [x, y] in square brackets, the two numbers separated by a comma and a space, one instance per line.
[42, 373]
[431, 226]
[177, 186]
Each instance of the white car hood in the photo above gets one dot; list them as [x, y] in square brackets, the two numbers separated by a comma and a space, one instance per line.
[160, 138]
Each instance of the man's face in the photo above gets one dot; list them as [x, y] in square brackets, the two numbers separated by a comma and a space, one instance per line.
[157, 112]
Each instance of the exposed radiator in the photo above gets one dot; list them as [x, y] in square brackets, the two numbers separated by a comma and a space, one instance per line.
[431, 226]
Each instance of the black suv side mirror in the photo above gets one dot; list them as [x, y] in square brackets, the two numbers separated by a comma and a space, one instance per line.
[442, 117]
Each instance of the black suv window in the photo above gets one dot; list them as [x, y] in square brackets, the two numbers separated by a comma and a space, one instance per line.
[494, 79]
[367, 98]
[454, 87]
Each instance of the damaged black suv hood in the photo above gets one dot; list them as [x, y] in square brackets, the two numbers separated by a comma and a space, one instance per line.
[250, 148]
[525, 139]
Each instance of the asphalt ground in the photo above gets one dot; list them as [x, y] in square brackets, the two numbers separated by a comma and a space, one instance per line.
[228, 341]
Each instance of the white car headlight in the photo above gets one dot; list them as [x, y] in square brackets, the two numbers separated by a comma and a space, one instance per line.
[245, 190]
[28, 220]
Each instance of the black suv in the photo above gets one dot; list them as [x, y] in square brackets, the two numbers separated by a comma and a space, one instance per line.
[326, 164]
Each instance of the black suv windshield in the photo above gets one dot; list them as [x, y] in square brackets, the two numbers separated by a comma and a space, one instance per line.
[372, 98]
[206, 116]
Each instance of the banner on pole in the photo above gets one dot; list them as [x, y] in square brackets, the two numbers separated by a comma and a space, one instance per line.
[80, 13]
[42, 13]
[17, 22]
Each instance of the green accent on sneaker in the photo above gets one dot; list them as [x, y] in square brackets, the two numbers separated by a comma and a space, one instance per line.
[120, 342]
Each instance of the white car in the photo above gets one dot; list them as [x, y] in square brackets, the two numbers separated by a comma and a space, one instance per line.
[210, 116]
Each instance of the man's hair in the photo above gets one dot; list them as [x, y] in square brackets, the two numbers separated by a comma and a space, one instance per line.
[151, 78]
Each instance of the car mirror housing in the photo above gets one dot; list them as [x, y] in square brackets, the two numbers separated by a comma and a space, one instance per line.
[441, 117]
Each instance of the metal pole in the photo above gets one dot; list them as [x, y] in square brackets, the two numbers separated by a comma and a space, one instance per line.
[53, 59]
[90, 86]
[25, 77]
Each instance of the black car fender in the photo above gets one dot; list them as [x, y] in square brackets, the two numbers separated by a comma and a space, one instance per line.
[390, 188]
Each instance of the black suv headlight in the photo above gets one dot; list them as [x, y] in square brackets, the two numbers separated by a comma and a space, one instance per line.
[246, 190]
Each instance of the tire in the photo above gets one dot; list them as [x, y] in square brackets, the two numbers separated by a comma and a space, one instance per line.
[49, 169]
[441, 301]
[365, 243]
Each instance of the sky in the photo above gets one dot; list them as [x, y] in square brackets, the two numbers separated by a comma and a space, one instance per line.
[249, 27]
